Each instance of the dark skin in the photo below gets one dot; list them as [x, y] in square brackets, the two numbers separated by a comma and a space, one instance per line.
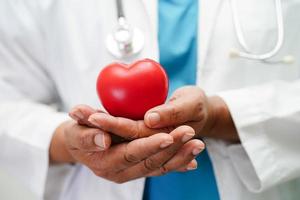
[208, 116]
[142, 157]
[188, 114]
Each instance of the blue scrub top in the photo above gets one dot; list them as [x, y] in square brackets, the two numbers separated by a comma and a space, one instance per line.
[178, 28]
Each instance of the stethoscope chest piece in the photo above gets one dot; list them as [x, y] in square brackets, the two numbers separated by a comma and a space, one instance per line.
[125, 41]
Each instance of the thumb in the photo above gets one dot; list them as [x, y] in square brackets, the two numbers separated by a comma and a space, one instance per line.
[173, 113]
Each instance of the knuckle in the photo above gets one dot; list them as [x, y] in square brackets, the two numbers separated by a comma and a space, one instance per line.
[198, 106]
[164, 169]
[150, 164]
[140, 126]
[198, 110]
[85, 140]
[118, 122]
[135, 131]
[175, 113]
[132, 132]
[131, 158]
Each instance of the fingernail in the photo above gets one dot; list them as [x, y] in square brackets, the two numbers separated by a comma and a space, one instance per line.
[192, 165]
[79, 115]
[166, 144]
[99, 141]
[187, 137]
[196, 151]
[153, 118]
[189, 168]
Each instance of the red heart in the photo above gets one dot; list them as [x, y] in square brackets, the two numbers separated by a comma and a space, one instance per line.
[131, 90]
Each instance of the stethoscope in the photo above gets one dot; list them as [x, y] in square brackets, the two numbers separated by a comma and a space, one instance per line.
[247, 53]
[126, 41]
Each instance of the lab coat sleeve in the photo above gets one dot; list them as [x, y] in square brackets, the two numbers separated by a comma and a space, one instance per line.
[27, 122]
[267, 118]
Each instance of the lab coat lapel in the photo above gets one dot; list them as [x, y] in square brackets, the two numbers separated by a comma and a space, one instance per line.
[207, 17]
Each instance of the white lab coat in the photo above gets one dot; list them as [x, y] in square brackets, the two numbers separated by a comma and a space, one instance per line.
[51, 52]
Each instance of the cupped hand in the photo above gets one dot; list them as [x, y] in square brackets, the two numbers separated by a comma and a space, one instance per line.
[187, 106]
[149, 156]
[208, 116]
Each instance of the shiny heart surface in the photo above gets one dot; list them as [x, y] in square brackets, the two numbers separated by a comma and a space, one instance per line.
[131, 90]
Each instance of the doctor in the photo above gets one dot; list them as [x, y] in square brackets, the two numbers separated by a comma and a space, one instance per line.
[50, 53]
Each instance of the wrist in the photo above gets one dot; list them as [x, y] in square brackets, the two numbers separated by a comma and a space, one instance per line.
[58, 150]
[220, 120]
[213, 111]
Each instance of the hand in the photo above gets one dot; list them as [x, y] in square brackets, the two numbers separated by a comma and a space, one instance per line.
[209, 116]
[81, 113]
[149, 156]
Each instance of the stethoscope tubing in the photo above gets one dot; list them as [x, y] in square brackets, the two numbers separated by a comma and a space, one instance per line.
[246, 53]
[120, 9]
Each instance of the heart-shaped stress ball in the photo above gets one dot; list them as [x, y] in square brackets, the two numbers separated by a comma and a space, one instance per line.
[131, 90]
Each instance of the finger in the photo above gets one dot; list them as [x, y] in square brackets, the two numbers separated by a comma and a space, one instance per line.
[81, 113]
[184, 156]
[181, 159]
[87, 139]
[122, 127]
[152, 163]
[191, 166]
[181, 135]
[128, 154]
[178, 110]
